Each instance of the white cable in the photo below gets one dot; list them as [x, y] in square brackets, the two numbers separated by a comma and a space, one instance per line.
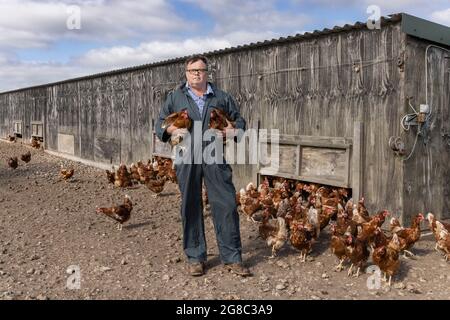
[414, 146]
[409, 102]
[405, 126]
[426, 75]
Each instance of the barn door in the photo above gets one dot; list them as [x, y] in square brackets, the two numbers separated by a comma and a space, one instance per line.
[334, 161]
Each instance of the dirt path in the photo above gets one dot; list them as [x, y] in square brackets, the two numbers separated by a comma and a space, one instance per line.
[47, 225]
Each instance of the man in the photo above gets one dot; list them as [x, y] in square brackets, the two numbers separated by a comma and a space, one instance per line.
[198, 96]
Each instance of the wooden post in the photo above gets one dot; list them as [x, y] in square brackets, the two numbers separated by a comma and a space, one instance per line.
[152, 137]
[357, 161]
[255, 171]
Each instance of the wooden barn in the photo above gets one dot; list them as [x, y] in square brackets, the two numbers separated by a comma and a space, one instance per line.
[367, 109]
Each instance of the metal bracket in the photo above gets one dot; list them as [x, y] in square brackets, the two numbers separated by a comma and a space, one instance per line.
[411, 120]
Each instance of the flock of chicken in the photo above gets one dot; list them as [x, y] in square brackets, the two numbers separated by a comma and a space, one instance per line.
[298, 212]
[287, 210]
[13, 162]
[153, 175]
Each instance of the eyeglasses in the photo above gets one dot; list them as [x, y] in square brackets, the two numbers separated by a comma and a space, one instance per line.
[194, 71]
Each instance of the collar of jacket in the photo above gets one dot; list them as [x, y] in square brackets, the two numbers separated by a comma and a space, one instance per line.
[194, 108]
[183, 88]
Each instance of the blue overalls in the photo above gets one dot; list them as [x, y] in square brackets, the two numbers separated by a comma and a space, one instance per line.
[217, 178]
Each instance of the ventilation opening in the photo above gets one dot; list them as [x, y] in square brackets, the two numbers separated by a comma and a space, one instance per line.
[37, 130]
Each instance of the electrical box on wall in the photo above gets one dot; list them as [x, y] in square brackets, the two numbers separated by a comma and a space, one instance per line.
[424, 108]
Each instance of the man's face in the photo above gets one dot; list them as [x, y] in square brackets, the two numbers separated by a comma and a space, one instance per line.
[196, 74]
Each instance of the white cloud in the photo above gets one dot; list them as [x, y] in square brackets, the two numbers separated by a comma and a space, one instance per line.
[18, 74]
[124, 56]
[251, 15]
[442, 17]
[33, 23]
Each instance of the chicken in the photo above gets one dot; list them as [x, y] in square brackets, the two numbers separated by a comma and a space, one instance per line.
[381, 217]
[122, 177]
[35, 143]
[344, 223]
[249, 205]
[325, 216]
[349, 208]
[299, 187]
[145, 172]
[11, 138]
[284, 208]
[166, 171]
[386, 257]
[134, 173]
[362, 210]
[274, 232]
[367, 232]
[120, 213]
[409, 236]
[379, 239]
[26, 157]
[313, 219]
[111, 176]
[358, 217]
[66, 174]
[219, 119]
[357, 252]
[13, 162]
[343, 193]
[394, 225]
[302, 237]
[251, 191]
[443, 240]
[338, 247]
[180, 120]
[156, 185]
[432, 223]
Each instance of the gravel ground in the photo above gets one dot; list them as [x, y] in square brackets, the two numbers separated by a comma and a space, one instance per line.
[47, 225]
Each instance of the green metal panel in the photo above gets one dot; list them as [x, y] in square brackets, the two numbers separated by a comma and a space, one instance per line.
[425, 29]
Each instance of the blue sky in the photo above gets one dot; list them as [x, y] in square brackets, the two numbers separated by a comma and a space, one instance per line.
[36, 46]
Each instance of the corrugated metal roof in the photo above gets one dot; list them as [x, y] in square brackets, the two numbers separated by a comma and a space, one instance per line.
[394, 18]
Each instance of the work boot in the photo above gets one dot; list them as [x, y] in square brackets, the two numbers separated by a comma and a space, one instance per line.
[239, 269]
[196, 269]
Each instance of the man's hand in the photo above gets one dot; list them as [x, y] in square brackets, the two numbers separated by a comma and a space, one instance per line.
[178, 135]
[170, 129]
[173, 131]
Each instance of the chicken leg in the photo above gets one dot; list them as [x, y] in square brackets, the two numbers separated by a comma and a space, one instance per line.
[408, 252]
[340, 267]
[274, 253]
[349, 273]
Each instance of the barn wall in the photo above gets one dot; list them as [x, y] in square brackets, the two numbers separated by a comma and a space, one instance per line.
[317, 86]
[320, 87]
[427, 172]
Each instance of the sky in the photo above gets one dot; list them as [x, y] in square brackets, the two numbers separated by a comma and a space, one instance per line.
[46, 41]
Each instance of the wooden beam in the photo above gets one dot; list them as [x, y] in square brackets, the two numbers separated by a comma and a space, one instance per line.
[357, 161]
